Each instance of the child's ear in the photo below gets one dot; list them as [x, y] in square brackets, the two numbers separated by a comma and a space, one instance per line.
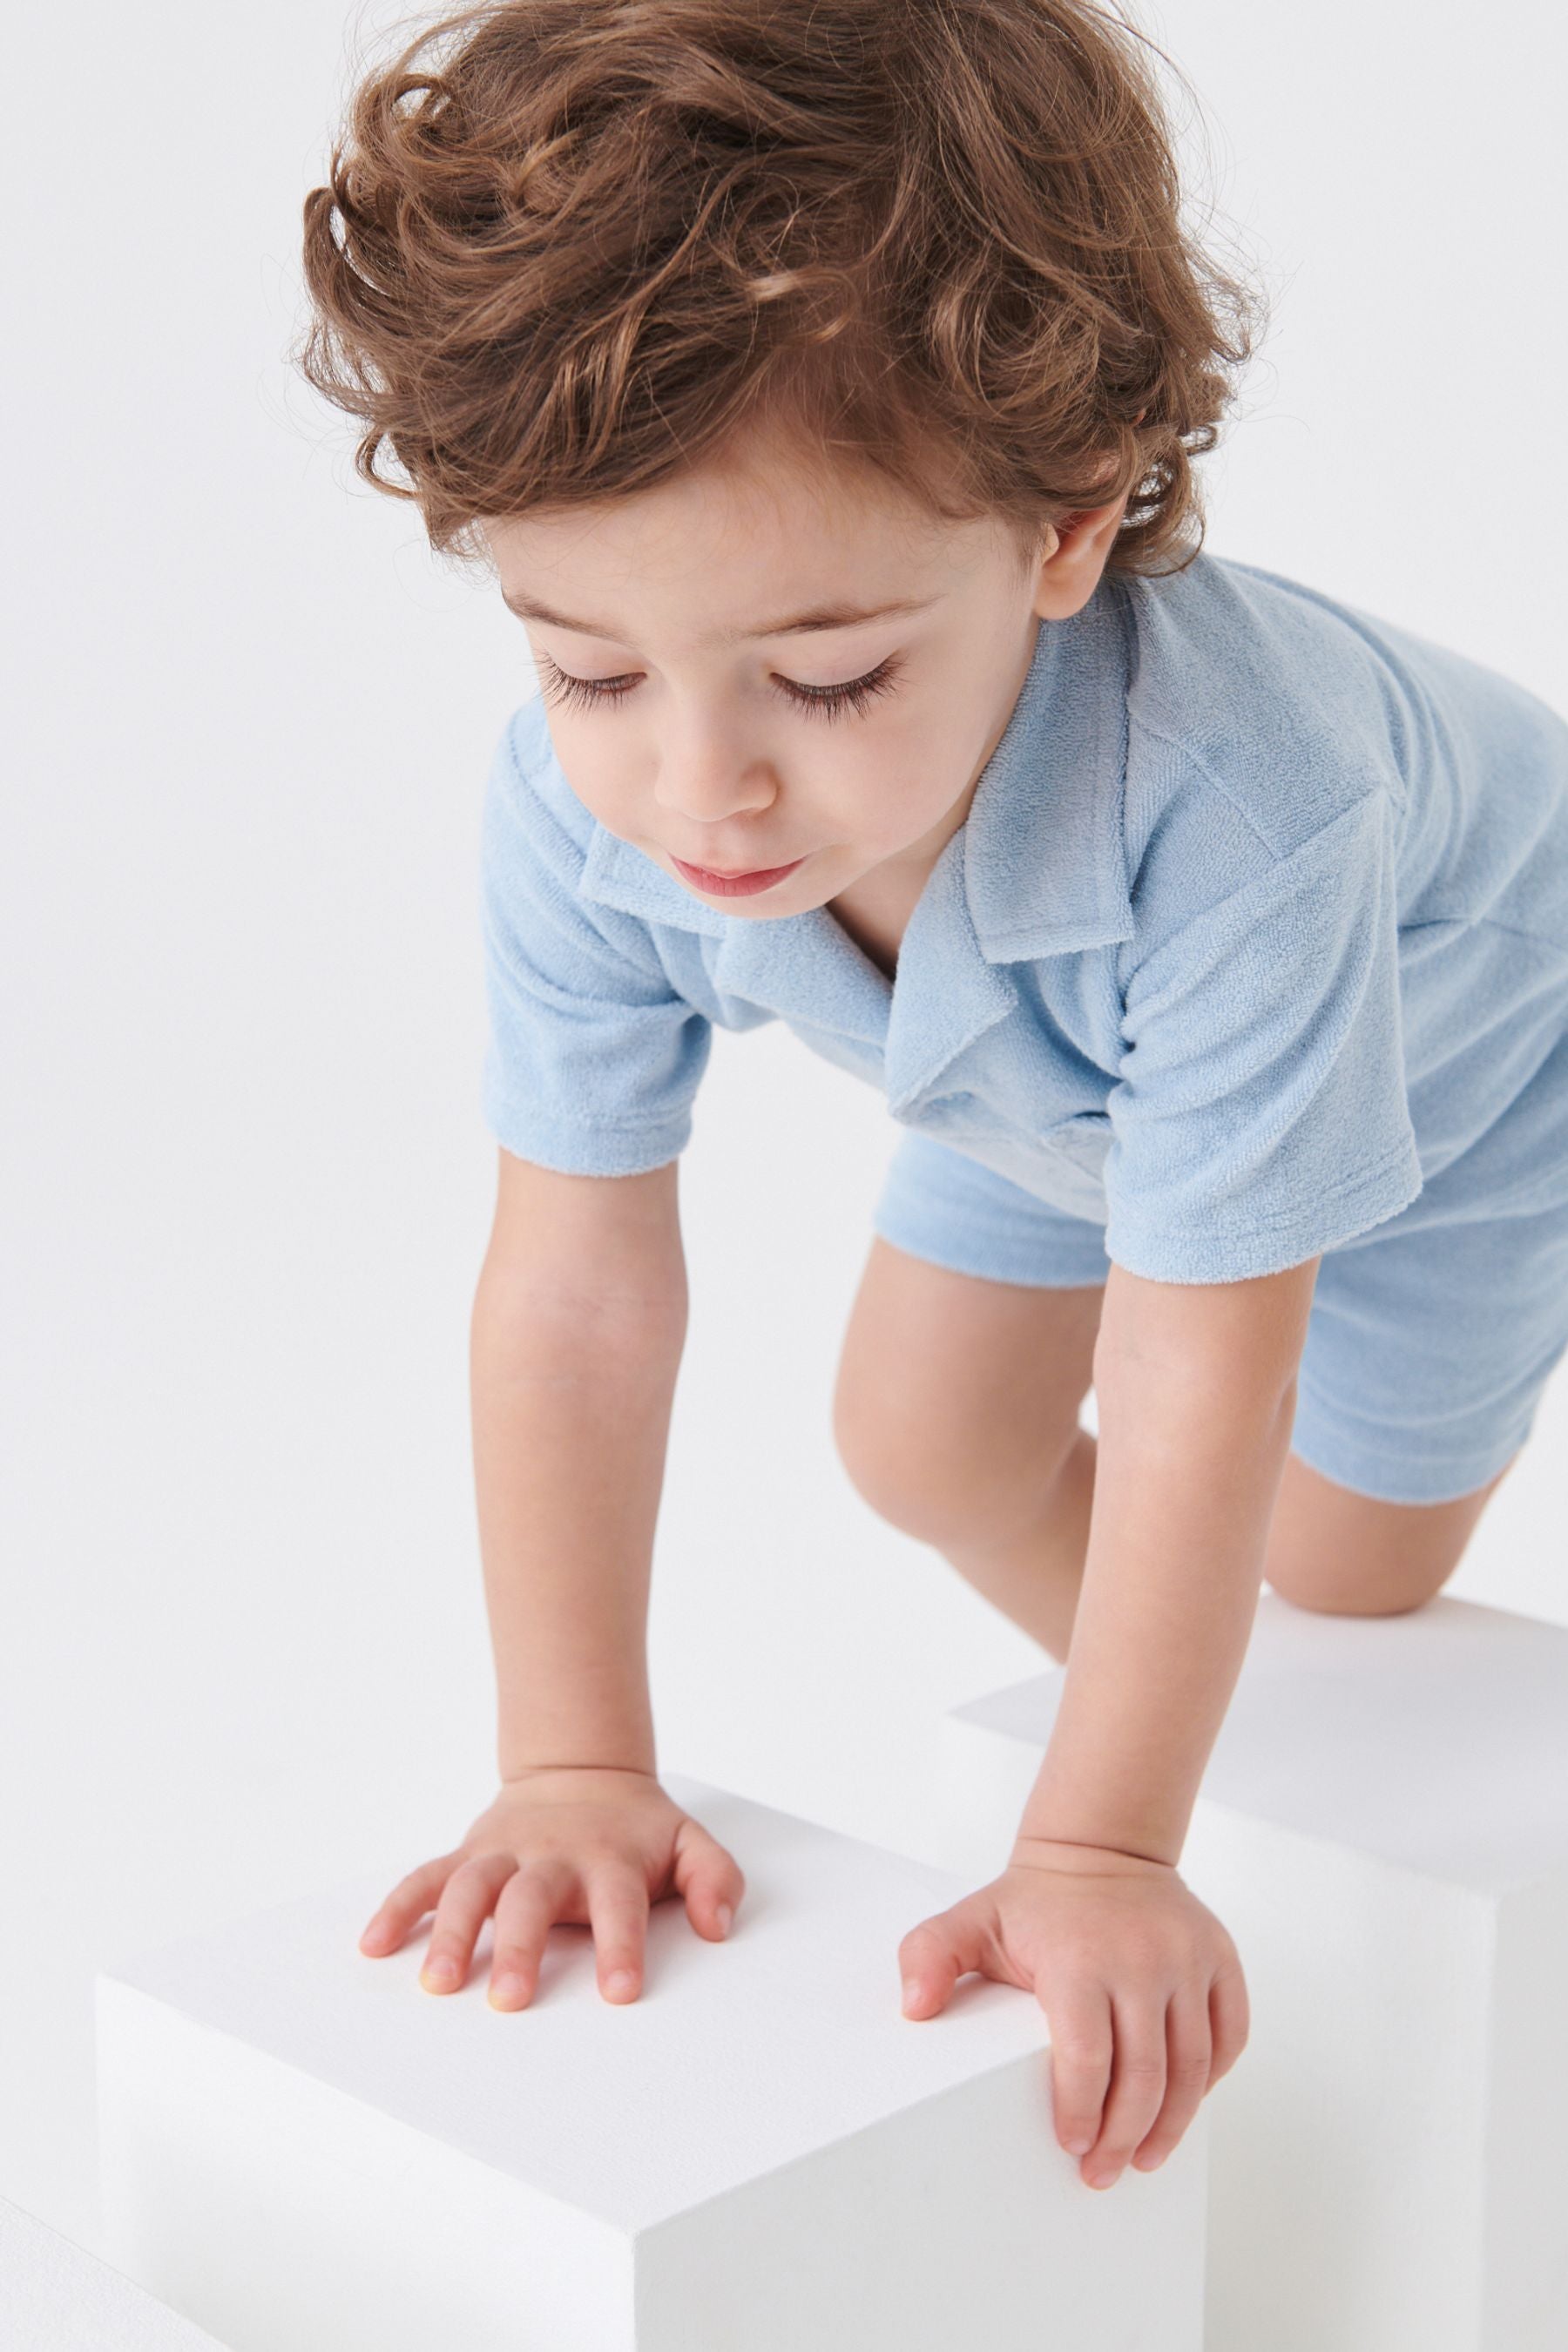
[1074, 557]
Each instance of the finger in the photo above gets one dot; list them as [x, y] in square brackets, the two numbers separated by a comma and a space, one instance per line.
[1189, 2053]
[709, 1880]
[464, 1905]
[1231, 2020]
[407, 1905]
[526, 1909]
[933, 1956]
[1137, 2072]
[1082, 2049]
[618, 1913]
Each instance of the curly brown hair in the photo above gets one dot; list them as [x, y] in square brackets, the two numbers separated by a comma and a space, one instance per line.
[583, 243]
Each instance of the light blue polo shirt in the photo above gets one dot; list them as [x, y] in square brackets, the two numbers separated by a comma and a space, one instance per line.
[1258, 922]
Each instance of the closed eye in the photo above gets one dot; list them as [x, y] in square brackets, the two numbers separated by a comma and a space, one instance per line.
[856, 694]
[556, 685]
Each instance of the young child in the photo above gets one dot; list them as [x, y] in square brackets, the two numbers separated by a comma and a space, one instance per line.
[820, 378]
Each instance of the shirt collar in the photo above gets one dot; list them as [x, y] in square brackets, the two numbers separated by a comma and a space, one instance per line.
[1040, 858]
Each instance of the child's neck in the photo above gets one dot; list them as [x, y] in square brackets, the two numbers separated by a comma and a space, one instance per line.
[875, 919]
[876, 909]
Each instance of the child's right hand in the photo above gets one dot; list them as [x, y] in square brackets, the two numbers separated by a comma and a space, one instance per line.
[594, 1845]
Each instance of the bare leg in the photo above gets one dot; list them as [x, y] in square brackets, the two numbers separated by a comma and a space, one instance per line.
[1034, 1576]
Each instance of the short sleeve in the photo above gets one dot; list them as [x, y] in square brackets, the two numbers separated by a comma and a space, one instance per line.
[1260, 1115]
[594, 1058]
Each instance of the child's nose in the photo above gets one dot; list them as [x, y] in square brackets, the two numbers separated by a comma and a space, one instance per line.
[712, 781]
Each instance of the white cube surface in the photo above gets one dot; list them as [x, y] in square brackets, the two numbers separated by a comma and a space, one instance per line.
[57, 2297]
[304, 2151]
[1383, 1826]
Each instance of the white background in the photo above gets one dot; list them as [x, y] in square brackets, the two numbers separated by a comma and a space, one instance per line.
[245, 1186]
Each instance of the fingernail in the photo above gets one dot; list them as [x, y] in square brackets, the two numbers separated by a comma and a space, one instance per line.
[1104, 2179]
[440, 1972]
[506, 1989]
[1078, 2147]
[912, 1989]
[1153, 2163]
[622, 1985]
[724, 1916]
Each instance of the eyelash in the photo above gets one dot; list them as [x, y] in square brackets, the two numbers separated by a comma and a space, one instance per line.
[856, 694]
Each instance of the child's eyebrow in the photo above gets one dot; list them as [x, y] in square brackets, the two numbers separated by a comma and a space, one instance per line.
[821, 616]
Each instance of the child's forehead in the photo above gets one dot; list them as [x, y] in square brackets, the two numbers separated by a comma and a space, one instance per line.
[721, 508]
[767, 485]
[735, 555]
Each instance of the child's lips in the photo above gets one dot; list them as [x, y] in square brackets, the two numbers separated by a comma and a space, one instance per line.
[733, 885]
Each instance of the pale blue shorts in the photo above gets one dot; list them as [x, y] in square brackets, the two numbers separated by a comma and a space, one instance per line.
[1429, 1341]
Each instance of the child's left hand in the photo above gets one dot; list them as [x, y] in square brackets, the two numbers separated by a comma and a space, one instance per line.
[1141, 1985]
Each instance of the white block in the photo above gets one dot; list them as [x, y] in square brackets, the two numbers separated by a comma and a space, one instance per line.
[57, 2297]
[1384, 1829]
[307, 2152]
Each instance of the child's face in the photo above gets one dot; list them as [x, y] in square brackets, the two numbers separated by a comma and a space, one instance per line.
[714, 737]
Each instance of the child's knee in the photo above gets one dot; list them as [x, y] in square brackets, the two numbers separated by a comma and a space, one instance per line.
[901, 1465]
[957, 1399]
[925, 1466]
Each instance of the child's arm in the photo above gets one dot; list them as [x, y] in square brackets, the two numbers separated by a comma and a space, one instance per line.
[1194, 1385]
[578, 1326]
